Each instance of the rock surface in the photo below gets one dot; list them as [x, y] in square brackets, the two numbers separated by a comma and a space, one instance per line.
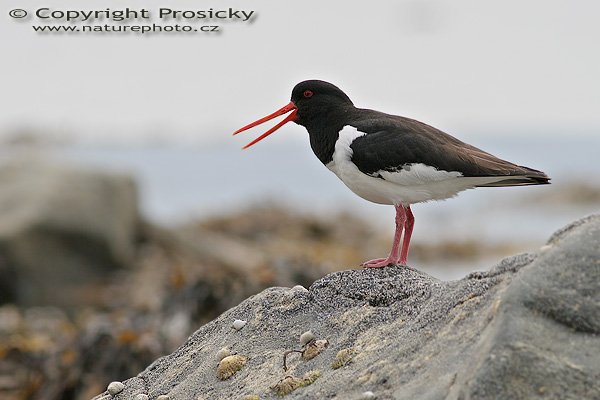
[60, 229]
[527, 329]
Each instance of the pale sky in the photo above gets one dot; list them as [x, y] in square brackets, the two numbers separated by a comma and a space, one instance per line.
[504, 66]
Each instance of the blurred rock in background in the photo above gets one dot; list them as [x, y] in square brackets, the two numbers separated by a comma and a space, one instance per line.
[61, 231]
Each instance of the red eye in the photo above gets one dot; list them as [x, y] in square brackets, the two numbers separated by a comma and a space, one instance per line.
[308, 93]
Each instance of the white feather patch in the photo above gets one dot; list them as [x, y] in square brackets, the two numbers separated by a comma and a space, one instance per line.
[416, 174]
[414, 183]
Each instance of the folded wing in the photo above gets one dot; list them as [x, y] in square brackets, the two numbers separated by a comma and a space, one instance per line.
[398, 143]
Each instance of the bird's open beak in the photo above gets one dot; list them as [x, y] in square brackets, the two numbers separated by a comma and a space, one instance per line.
[291, 117]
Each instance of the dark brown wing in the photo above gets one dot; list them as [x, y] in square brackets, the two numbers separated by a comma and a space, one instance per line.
[392, 142]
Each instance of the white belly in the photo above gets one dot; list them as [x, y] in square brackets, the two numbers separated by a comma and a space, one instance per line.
[416, 184]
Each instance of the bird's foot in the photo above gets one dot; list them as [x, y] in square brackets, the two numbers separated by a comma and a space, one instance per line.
[379, 262]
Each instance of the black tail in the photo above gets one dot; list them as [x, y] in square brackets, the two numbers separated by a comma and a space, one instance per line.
[534, 178]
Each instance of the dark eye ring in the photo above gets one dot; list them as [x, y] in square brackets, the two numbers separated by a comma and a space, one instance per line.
[308, 94]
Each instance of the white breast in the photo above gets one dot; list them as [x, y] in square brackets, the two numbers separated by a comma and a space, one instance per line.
[415, 183]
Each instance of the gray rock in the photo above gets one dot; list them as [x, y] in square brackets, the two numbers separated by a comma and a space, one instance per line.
[61, 228]
[527, 329]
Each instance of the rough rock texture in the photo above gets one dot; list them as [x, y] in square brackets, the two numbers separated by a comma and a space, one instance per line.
[527, 329]
[62, 227]
[180, 279]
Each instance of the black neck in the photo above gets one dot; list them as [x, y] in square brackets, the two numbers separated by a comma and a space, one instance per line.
[323, 143]
[323, 129]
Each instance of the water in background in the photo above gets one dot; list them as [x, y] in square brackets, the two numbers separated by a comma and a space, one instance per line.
[179, 183]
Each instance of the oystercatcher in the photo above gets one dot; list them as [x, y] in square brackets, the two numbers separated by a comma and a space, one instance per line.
[388, 159]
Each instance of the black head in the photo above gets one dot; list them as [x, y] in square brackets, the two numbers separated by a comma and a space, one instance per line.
[316, 99]
[314, 93]
[312, 102]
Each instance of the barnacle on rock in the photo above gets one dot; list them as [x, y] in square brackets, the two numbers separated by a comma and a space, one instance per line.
[290, 383]
[311, 376]
[314, 348]
[229, 365]
[287, 385]
[343, 357]
[310, 348]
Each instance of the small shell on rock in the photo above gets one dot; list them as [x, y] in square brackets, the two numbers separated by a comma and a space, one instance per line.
[141, 396]
[300, 288]
[314, 348]
[115, 387]
[306, 337]
[224, 352]
[239, 324]
[368, 395]
[229, 366]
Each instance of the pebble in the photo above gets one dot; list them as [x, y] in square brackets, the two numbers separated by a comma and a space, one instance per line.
[163, 397]
[306, 338]
[224, 352]
[368, 395]
[115, 387]
[141, 396]
[239, 324]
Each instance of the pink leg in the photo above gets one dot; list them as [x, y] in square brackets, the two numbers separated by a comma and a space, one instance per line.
[408, 228]
[393, 257]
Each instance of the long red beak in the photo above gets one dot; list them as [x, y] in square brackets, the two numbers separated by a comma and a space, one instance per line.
[291, 117]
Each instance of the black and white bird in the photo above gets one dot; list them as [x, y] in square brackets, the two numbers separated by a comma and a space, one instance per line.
[388, 159]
